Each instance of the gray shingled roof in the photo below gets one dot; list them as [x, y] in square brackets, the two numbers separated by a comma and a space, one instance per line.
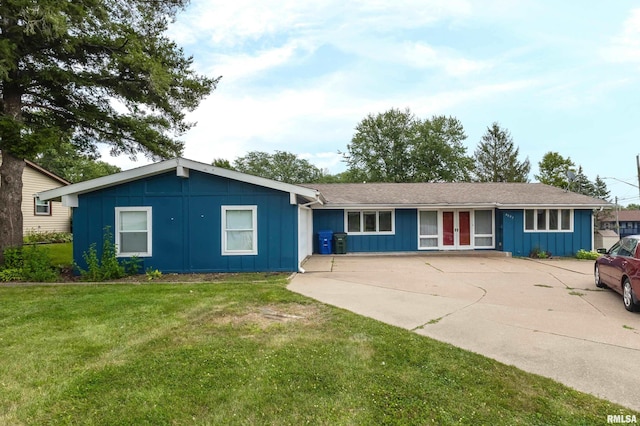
[444, 194]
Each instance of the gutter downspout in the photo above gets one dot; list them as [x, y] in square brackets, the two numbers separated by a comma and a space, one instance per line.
[306, 206]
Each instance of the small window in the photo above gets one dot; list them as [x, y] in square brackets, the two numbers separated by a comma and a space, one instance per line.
[566, 220]
[239, 230]
[553, 220]
[369, 222]
[133, 231]
[529, 225]
[353, 221]
[42, 208]
[541, 221]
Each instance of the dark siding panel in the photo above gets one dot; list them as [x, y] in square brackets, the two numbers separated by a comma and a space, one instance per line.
[405, 238]
[187, 222]
[521, 243]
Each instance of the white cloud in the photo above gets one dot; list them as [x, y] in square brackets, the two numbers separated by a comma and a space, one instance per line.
[625, 47]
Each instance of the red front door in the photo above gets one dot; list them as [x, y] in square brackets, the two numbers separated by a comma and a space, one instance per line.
[456, 229]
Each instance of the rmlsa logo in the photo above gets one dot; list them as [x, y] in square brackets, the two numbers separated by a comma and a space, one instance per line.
[621, 418]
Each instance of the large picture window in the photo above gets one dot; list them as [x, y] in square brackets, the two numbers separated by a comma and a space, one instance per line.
[548, 220]
[239, 230]
[133, 231]
[369, 222]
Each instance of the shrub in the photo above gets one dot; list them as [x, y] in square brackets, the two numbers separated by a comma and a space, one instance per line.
[13, 258]
[36, 265]
[29, 263]
[152, 274]
[587, 255]
[11, 274]
[537, 253]
[132, 265]
[33, 237]
[105, 268]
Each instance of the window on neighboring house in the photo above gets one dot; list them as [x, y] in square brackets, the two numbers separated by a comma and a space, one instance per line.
[133, 231]
[369, 222]
[42, 208]
[239, 230]
[548, 220]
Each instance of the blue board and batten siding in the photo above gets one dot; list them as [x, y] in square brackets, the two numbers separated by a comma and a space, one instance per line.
[509, 233]
[510, 224]
[405, 237]
[186, 222]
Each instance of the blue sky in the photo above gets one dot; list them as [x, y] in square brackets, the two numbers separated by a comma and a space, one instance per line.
[298, 76]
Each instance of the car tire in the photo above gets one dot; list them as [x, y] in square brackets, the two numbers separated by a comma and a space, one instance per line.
[596, 274]
[627, 296]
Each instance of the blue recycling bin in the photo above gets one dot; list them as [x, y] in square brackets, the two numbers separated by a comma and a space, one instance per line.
[325, 242]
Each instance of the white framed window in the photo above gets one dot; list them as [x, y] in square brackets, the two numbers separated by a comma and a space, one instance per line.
[41, 208]
[548, 220]
[483, 228]
[428, 231]
[369, 222]
[133, 231]
[239, 230]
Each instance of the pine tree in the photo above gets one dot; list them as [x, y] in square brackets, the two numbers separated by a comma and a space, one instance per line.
[496, 158]
[88, 72]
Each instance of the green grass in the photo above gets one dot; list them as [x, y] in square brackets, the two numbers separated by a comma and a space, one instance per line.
[247, 352]
[60, 253]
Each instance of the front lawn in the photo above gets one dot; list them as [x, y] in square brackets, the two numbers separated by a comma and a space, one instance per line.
[247, 351]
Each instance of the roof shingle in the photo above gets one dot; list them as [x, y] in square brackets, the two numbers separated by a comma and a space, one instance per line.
[458, 193]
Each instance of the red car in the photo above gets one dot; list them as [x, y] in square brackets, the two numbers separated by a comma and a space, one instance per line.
[619, 269]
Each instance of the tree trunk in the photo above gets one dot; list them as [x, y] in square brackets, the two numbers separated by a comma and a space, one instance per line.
[10, 202]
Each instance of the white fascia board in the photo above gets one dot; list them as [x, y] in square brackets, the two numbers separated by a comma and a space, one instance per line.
[110, 180]
[174, 164]
[554, 206]
[405, 206]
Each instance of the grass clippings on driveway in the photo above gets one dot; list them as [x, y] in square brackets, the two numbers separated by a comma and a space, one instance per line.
[247, 352]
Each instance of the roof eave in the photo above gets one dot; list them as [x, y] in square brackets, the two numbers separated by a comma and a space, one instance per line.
[165, 166]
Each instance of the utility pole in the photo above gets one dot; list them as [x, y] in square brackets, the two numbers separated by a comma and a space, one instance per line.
[638, 166]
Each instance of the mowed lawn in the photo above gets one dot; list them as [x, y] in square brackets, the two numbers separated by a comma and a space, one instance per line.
[247, 351]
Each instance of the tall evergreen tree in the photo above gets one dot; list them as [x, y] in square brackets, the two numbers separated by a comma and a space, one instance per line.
[600, 189]
[496, 158]
[88, 72]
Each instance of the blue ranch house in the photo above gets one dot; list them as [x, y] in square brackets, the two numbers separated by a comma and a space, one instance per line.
[184, 216]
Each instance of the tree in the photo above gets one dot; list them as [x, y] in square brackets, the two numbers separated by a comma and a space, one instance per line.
[222, 163]
[496, 158]
[553, 170]
[439, 154]
[66, 162]
[581, 183]
[600, 189]
[632, 206]
[395, 146]
[281, 166]
[89, 72]
[380, 150]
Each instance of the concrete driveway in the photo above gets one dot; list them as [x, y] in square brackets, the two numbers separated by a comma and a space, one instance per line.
[546, 317]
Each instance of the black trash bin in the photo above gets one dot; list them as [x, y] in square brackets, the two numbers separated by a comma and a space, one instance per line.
[340, 242]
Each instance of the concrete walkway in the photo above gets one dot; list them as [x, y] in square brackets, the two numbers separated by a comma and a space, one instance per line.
[546, 317]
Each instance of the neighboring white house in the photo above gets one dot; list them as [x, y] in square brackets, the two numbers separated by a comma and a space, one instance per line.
[45, 216]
